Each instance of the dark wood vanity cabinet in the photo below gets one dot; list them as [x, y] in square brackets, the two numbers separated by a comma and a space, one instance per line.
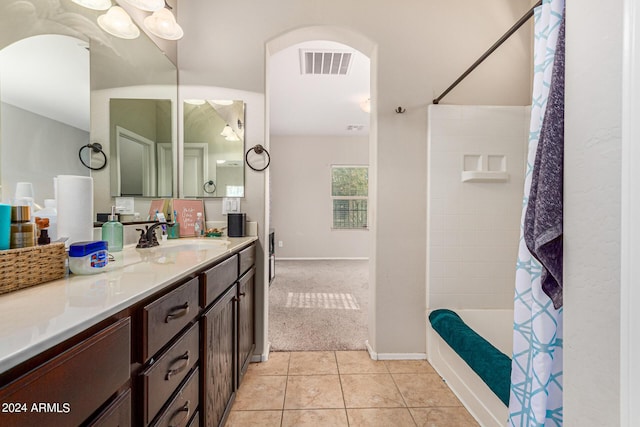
[246, 310]
[68, 389]
[228, 332]
[219, 357]
[170, 354]
[175, 358]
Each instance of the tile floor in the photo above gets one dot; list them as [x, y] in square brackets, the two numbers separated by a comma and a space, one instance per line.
[344, 388]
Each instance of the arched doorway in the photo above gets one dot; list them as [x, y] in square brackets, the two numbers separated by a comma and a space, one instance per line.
[368, 48]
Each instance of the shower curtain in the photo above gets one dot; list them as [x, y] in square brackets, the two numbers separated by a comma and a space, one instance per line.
[536, 373]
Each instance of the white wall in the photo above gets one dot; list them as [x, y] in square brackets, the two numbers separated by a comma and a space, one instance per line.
[473, 227]
[301, 209]
[592, 197]
[420, 48]
[35, 149]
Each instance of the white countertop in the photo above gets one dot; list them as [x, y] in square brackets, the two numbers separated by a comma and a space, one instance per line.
[39, 317]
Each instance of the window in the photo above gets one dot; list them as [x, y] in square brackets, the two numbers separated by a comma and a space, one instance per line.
[349, 195]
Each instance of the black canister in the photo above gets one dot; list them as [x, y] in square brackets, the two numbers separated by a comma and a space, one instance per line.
[235, 224]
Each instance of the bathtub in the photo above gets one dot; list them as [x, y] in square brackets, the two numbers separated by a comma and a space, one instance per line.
[496, 326]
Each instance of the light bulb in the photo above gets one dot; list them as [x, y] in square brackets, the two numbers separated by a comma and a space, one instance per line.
[163, 24]
[117, 22]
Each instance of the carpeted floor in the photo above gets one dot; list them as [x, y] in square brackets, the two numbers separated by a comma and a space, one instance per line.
[319, 305]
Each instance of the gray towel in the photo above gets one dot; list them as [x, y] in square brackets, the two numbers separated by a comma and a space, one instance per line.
[543, 219]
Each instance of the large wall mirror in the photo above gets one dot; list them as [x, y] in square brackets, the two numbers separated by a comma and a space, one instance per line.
[45, 98]
[51, 115]
[141, 148]
[213, 148]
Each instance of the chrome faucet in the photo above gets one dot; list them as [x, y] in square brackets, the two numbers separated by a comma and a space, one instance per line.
[148, 238]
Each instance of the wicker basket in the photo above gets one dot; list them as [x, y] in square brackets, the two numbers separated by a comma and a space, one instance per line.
[21, 268]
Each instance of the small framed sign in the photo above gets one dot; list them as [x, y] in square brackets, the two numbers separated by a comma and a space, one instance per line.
[186, 211]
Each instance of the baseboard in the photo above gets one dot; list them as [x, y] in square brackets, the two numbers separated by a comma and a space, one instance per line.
[322, 259]
[394, 356]
[262, 357]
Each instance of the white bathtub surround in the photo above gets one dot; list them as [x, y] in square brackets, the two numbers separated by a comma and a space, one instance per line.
[536, 375]
[496, 327]
[472, 227]
[472, 235]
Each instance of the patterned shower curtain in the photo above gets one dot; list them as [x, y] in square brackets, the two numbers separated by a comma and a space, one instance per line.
[536, 375]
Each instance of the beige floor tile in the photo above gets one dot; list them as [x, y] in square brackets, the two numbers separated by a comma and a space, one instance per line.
[370, 391]
[409, 367]
[254, 418]
[313, 392]
[312, 363]
[260, 392]
[425, 390]
[380, 417]
[315, 417]
[359, 362]
[443, 417]
[278, 364]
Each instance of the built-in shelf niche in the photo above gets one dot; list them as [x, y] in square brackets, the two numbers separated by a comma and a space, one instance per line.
[484, 168]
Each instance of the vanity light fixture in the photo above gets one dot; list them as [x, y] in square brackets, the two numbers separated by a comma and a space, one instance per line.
[366, 105]
[227, 131]
[94, 4]
[117, 22]
[163, 24]
[223, 102]
[233, 137]
[195, 101]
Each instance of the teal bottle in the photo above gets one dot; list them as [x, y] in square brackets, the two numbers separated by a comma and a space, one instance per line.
[113, 232]
[174, 231]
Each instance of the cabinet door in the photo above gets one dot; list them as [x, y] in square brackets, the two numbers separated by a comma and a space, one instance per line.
[218, 360]
[246, 309]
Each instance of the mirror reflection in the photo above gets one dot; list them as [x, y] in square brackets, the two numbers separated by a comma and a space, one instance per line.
[44, 94]
[213, 148]
[92, 63]
[141, 149]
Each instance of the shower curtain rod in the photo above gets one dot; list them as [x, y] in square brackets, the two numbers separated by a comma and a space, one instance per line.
[496, 45]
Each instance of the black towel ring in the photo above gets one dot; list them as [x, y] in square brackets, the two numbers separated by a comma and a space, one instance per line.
[207, 184]
[95, 147]
[259, 149]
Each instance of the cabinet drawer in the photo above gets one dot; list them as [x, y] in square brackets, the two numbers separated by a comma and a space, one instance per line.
[183, 406]
[165, 317]
[62, 383]
[218, 278]
[117, 414]
[163, 377]
[247, 259]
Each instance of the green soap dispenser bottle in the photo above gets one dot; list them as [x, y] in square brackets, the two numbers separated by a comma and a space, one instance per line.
[113, 232]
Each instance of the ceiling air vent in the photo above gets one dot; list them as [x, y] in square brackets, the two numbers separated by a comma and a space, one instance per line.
[327, 62]
[354, 128]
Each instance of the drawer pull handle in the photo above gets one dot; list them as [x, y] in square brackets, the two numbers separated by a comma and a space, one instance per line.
[176, 312]
[184, 362]
[185, 409]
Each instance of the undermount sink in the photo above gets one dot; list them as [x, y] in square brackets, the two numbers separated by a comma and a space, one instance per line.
[191, 245]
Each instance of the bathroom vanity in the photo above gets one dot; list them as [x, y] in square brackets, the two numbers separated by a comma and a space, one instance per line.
[161, 338]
